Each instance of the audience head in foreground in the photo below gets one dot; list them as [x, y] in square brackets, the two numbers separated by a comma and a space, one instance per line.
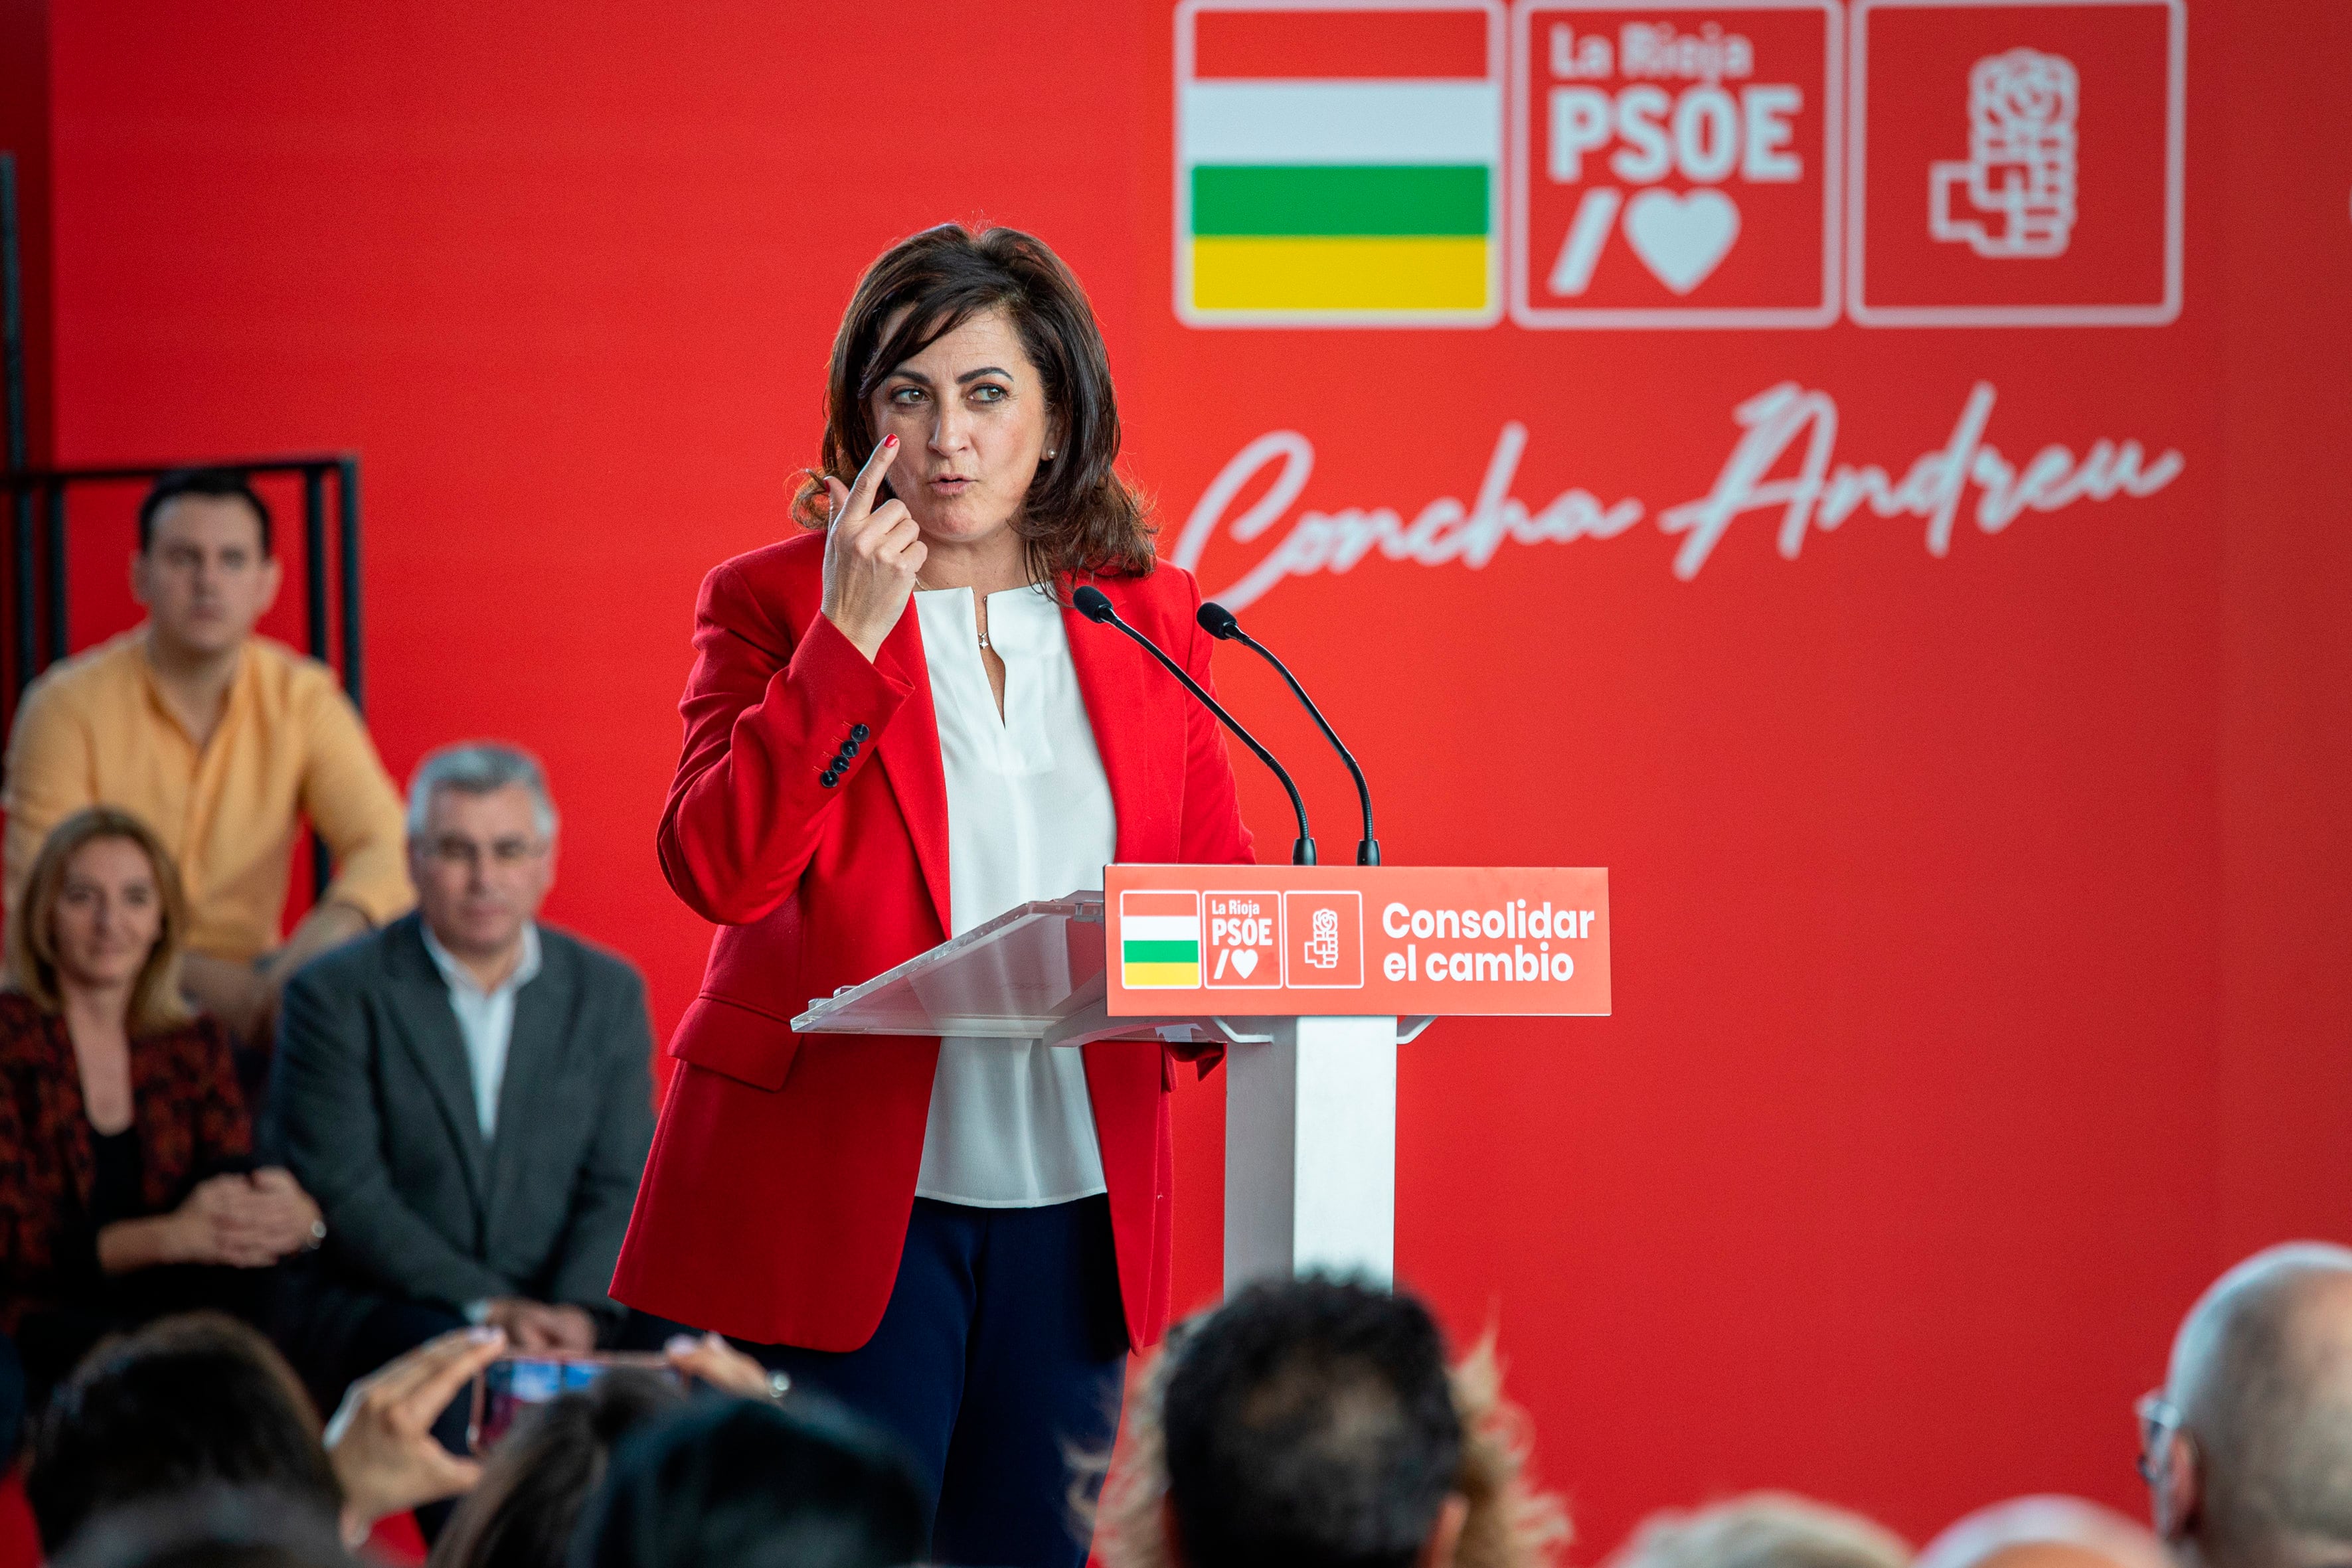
[2248, 1450]
[1314, 1424]
[1762, 1529]
[525, 1510]
[744, 1483]
[186, 1402]
[200, 1403]
[522, 1512]
[212, 1526]
[2045, 1533]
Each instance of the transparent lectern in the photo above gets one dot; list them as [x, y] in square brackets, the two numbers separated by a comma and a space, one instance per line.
[1310, 1102]
[1309, 978]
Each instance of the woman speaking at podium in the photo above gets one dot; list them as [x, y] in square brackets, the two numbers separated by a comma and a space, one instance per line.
[894, 731]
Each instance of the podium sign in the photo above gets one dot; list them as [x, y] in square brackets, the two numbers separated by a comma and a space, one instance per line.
[1315, 941]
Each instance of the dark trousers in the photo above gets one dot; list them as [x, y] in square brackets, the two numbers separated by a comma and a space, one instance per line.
[1002, 1352]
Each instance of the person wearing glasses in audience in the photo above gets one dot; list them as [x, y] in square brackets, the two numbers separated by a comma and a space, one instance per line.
[468, 1092]
[128, 1189]
[223, 743]
[2247, 1448]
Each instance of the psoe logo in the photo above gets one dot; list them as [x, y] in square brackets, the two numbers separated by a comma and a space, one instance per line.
[2014, 194]
[1339, 163]
[1677, 165]
[1245, 940]
[1326, 933]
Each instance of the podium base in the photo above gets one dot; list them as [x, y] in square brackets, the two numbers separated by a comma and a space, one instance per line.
[1310, 1150]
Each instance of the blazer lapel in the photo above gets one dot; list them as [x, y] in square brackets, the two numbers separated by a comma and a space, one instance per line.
[1137, 712]
[908, 750]
[428, 1030]
[1136, 708]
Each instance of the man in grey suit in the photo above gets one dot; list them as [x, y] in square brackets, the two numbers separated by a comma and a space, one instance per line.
[467, 1094]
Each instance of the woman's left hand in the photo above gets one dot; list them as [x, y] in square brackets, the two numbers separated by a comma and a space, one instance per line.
[282, 1212]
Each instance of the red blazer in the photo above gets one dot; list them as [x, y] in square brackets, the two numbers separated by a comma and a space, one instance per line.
[776, 1202]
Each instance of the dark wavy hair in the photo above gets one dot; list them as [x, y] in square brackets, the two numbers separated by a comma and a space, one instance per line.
[524, 1510]
[1081, 517]
[753, 1484]
[1310, 1423]
[182, 1402]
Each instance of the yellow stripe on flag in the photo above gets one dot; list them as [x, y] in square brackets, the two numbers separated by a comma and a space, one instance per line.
[1183, 977]
[1339, 273]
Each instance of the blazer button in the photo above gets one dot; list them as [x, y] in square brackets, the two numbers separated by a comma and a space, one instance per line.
[848, 749]
[859, 732]
[828, 778]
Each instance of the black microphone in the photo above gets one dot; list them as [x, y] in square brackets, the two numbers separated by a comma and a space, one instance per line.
[1218, 622]
[1096, 606]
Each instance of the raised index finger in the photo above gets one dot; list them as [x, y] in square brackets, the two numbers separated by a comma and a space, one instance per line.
[869, 478]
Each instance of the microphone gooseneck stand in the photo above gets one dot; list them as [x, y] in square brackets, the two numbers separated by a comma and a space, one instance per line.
[1218, 622]
[1096, 606]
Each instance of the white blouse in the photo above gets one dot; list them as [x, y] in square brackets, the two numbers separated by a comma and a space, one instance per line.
[1029, 816]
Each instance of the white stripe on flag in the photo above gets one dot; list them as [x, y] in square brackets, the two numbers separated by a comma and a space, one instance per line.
[1340, 122]
[1159, 929]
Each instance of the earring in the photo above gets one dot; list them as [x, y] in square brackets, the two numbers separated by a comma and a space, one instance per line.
[1049, 455]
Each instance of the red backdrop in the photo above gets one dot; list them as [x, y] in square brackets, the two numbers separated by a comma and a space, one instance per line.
[1980, 923]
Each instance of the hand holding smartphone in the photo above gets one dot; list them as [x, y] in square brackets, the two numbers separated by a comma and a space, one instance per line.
[512, 1384]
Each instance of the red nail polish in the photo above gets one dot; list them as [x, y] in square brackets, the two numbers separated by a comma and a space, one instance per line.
[889, 440]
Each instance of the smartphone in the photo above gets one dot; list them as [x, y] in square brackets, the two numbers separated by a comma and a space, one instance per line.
[513, 1384]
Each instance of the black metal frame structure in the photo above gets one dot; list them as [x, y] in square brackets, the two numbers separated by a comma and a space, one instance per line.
[39, 566]
[39, 554]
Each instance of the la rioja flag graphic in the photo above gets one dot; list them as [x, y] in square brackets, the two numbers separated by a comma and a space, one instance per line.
[1159, 941]
[1338, 165]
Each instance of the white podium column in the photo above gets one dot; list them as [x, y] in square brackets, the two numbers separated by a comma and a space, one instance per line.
[1311, 1151]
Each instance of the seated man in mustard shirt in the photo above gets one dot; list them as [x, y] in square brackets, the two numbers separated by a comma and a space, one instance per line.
[223, 743]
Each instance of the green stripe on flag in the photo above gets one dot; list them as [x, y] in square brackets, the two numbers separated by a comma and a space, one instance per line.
[1339, 199]
[1160, 952]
